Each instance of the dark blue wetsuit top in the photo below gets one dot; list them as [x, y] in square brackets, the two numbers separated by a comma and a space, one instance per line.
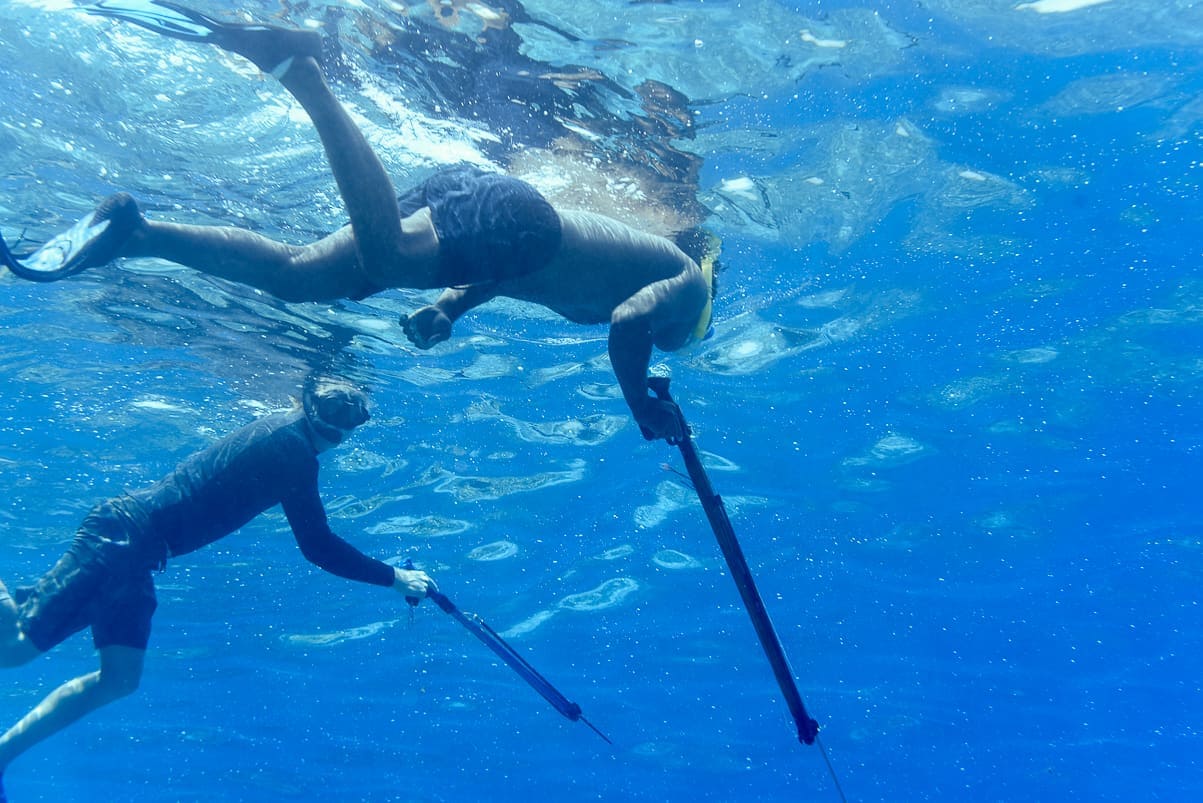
[214, 492]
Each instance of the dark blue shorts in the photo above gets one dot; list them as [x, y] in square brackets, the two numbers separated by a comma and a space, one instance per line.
[491, 227]
[99, 582]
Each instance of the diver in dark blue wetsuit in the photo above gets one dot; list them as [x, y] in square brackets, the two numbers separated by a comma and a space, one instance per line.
[104, 580]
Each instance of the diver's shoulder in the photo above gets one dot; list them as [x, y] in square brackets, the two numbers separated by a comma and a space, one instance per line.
[582, 230]
[591, 224]
[268, 431]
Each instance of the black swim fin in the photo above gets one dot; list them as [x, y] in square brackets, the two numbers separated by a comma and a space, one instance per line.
[160, 16]
[90, 243]
[268, 47]
[6, 255]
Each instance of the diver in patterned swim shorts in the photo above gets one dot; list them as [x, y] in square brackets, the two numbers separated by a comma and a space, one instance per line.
[104, 579]
[480, 234]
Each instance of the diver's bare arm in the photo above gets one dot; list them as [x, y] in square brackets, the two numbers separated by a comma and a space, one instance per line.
[663, 315]
[455, 301]
[630, 352]
[432, 324]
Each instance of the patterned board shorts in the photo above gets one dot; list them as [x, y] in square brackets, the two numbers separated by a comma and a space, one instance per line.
[97, 583]
[491, 227]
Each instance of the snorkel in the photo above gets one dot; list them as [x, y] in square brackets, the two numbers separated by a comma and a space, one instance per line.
[708, 263]
[705, 327]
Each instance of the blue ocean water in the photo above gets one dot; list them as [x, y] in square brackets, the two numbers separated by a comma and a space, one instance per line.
[951, 403]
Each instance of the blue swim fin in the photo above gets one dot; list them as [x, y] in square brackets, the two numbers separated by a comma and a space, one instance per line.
[92, 242]
[268, 47]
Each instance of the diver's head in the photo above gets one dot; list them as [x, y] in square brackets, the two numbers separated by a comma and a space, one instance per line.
[333, 407]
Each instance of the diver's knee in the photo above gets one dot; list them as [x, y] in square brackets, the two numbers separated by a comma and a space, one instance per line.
[289, 283]
[120, 684]
[16, 649]
[120, 671]
[314, 273]
[290, 290]
[127, 686]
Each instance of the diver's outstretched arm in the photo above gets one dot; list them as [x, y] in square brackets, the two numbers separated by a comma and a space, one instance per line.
[432, 324]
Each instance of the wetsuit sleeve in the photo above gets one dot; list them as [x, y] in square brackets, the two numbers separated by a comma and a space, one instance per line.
[322, 547]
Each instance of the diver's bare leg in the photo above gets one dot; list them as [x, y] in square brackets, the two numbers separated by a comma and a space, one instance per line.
[323, 271]
[391, 252]
[378, 250]
[119, 674]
